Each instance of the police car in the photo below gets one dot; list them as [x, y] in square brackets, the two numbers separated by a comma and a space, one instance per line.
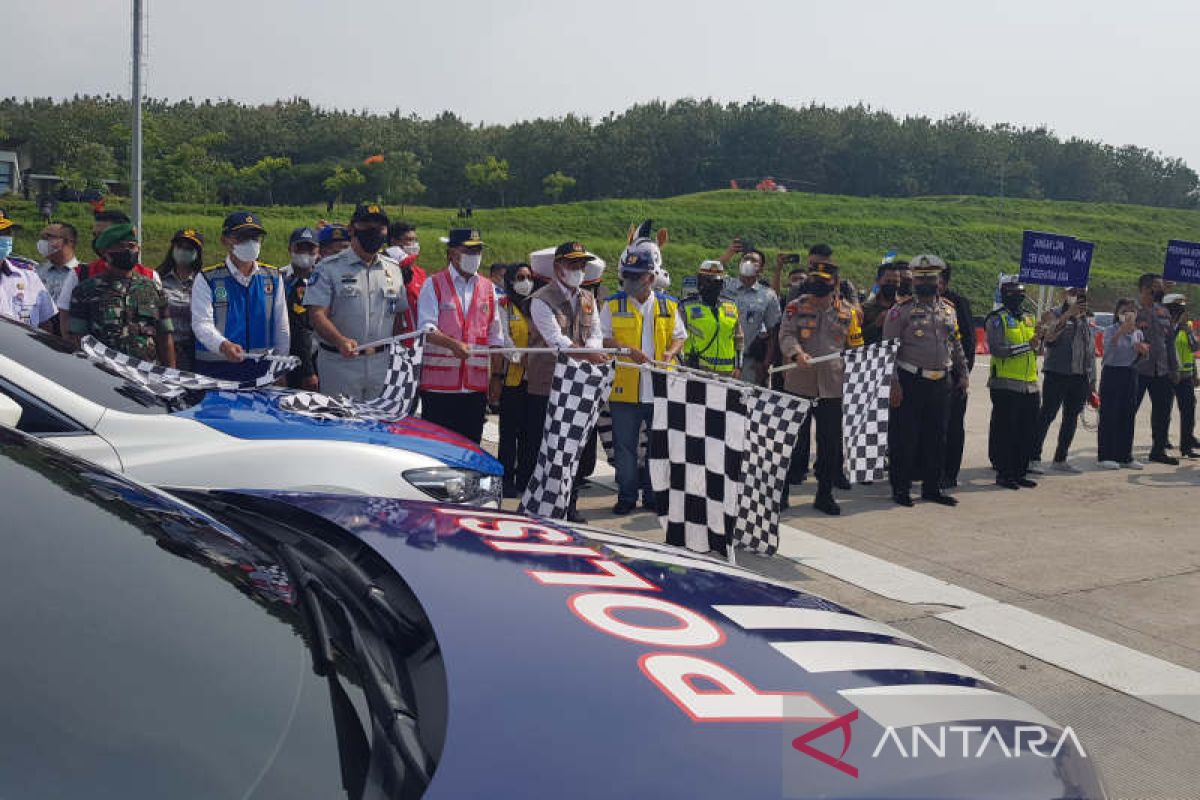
[226, 439]
[270, 644]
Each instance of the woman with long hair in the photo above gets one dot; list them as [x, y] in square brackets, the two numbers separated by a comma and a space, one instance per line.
[1123, 347]
[515, 441]
[178, 270]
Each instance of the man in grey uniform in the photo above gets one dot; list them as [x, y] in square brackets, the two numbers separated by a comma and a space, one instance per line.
[355, 297]
[1158, 372]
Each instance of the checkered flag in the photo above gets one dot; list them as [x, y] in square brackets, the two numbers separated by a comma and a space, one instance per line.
[576, 395]
[865, 409]
[773, 427]
[397, 400]
[697, 441]
[170, 383]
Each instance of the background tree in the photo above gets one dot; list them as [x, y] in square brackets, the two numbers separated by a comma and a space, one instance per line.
[395, 177]
[88, 167]
[490, 173]
[344, 183]
[556, 184]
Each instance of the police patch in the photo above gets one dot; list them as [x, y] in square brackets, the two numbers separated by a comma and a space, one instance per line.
[220, 294]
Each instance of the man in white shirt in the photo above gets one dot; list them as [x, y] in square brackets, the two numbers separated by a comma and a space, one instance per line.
[56, 246]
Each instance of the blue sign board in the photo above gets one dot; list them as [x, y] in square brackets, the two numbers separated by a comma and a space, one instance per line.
[1183, 262]
[1052, 259]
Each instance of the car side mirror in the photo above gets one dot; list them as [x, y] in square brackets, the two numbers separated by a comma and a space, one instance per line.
[10, 411]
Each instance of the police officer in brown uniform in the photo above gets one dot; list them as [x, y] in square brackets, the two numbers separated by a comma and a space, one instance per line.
[819, 324]
[930, 345]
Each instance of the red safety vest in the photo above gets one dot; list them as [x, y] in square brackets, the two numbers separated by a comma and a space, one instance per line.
[441, 371]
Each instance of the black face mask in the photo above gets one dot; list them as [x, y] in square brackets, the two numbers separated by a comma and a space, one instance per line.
[371, 240]
[888, 291]
[1158, 296]
[1013, 302]
[122, 260]
[925, 289]
[820, 288]
[905, 289]
[710, 292]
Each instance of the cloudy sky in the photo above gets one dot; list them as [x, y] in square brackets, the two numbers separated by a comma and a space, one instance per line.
[1120, 72]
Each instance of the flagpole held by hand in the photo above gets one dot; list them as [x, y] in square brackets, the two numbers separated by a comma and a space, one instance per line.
[793, 365]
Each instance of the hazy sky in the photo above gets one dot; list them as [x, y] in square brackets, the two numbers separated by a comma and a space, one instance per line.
[1120, 72]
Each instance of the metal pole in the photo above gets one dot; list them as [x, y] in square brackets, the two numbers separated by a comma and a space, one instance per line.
[135, 98]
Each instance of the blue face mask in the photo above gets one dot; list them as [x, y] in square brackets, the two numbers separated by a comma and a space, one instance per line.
[5, 246]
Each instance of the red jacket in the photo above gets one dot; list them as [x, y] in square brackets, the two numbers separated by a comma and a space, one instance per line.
[408, 320]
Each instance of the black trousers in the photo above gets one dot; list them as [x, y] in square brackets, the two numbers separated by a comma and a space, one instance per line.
[461, 412]
[513, 450]
[921, 429]
[956, 433]
[1068, 392]
[1118, 406]
[1162, 397]
[828, 468]
[1014, 422]
[536, 406]
[802, 452]
[1185, 397]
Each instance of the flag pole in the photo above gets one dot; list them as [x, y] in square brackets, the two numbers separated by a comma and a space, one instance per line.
[135, 98]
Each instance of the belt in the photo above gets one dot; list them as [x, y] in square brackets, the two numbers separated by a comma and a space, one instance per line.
[370, 351]
[930, 374]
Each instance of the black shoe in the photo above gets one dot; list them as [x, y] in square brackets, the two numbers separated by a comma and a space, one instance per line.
[842, 483]
[827, 504]
[940, 499]
[1007, 483]
[902, 499]
[1163, 458]
[1168, 446]
[573, 515]
[622, 508]
[648, 504]
[1025, 483]
[1189, 453]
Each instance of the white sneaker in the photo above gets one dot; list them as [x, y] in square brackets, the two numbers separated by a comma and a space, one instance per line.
[1108, 465]
[1065, 466]
[1134, 464]
[1036, 468]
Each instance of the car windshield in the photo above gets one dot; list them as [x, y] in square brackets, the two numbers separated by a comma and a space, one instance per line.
[57, 360]
[160, 652]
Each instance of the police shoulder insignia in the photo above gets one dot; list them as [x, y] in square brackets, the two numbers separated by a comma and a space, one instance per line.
[269, 287]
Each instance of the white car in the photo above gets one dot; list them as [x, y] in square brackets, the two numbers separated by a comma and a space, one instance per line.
[230, 439]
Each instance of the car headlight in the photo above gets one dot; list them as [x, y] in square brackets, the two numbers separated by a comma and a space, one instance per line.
[450, 485]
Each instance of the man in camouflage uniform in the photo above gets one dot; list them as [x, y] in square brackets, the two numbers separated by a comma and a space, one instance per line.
[124, 311]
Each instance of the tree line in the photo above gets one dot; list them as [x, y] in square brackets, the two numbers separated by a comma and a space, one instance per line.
[292, 152]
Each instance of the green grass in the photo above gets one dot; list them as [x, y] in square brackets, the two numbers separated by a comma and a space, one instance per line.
[979, 236]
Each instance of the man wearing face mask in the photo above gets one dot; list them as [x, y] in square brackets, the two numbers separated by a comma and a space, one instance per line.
[57, 249]
[354, 297]
[1186, 345]
[120, 308]
[888, 277]
[715, 340]
[758, 308]
[1068, 375]
[297, 276]
[22, 294]
[1159, 371]
[239, 306]
[929, 346]
[956, 430]
[178, 269]
[404, 248]
[820, 324]
[457, 309]
[1014, 342]
[331, 240]
[648, 323]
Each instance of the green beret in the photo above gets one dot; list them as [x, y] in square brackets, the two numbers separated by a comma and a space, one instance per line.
[114, 235]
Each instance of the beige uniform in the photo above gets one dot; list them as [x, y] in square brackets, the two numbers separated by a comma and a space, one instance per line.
[818, 332]
[928, 334]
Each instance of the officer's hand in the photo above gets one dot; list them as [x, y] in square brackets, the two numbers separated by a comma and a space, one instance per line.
[347, 347]
[637, 356]
[494, 388]
[233, 351]
[964, 383]
[312, 383]
[897, 395]
[459, 349]
[1143, 348]
[595, 358]
[736, 374]
[802, 358]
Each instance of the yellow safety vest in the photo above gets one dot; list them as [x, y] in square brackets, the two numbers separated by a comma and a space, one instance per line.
[518, 331]
[1187, 359]
[627, 330]
[710, 335]
[1022, 367]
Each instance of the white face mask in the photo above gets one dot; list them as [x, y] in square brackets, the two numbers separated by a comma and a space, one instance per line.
[412, 249]
[468, 263]
[523, 287]
[45, 248]
[395, 251]
[183, 255]
[748, 269]
[1071, 299]
[247, 251]
[572, 278]
[304, 260]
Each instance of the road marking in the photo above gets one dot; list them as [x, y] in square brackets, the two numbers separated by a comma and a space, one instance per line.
[1155, 681]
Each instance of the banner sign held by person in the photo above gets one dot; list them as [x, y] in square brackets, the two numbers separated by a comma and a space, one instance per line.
[1052, 259]
[1183, 262]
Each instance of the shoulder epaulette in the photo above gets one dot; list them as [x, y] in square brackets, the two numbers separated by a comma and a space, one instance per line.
[22, 263]
[214, 266]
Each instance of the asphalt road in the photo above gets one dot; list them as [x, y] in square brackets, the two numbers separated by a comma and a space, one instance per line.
[1081, 596]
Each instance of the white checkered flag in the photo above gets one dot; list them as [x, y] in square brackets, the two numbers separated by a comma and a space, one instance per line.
[397, 400]
[697, 440]
[773, 428]
[578, 390]
[866, 407]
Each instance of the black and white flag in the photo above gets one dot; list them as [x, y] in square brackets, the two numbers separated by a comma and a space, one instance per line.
[171, 383]
[865, 408]
[697, 442]
[578, 390]
[397, 400]
[773, 422]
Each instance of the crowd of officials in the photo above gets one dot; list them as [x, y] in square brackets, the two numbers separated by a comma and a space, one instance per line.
[348, 287]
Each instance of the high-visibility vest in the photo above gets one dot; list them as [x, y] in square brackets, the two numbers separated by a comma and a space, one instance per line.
[627, 330]
[711, 334]
[441, 370]
[1187, 358]
[1021, 367]
[518, 331]
[245, 315]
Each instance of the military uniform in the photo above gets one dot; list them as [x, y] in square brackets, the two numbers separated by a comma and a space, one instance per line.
[930, 346]
[362, 302]
[301, 327]
[127, 314]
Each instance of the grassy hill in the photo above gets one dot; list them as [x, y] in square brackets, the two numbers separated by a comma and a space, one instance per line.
[979, 236]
